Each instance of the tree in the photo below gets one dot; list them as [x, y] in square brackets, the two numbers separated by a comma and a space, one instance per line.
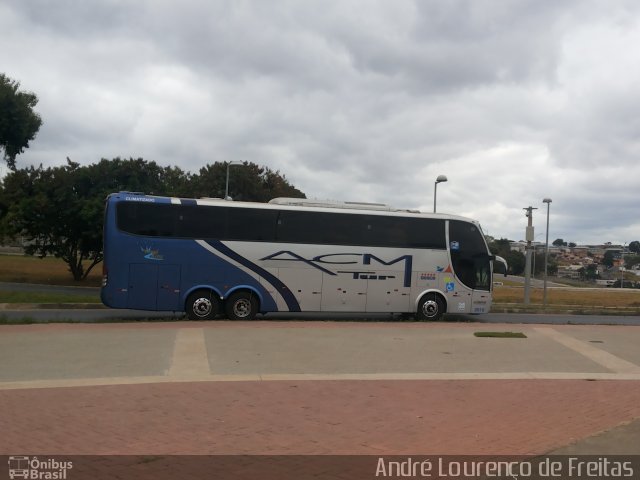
[609, 257]
[59, 210]
[500, 247]
[516, 262]
[591, 272]
[247, 182]
[136, 175]
[631, 261]
[558, 242]
[51, 210]
[634, 246]
[538, 264]
[19, 124]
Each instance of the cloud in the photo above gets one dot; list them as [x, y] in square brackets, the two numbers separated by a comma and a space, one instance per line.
[513, 101]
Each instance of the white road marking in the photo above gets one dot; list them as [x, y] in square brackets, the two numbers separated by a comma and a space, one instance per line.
[601, 357]
[189, 354]
[95, 382]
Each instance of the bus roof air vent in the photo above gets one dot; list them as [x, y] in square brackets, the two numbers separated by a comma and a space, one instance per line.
[305, 202]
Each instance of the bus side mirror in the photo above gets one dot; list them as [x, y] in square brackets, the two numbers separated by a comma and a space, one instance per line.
[502, 261]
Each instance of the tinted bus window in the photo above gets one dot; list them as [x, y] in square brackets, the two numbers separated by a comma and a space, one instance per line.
[192, 221]
[146, 219]
[287, 226]
[249, 224]
[406, 232]
[320, 228]
[370, 230]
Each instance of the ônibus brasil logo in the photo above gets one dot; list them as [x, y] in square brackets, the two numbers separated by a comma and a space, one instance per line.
[38, 469]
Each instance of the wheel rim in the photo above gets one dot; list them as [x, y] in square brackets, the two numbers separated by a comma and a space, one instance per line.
[202, 307]
[430, 308]
[242, 308]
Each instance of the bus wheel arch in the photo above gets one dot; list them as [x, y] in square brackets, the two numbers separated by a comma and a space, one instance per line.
[432, 306]
[202, 304]
[242, 304]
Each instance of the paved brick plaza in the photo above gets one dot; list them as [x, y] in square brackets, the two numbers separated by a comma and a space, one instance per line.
[315, 417]
[172, 402]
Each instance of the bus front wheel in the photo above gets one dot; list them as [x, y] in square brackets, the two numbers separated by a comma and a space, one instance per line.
[431, 307]
[241, 306]
[202, 305]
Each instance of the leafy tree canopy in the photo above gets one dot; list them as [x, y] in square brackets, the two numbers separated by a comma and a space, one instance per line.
[609, 257]
[247, 182]
[631, 261]
[538, 264]
[59, 210]
[590, 272]
[500, 247]
[516, 262]
[19, 124]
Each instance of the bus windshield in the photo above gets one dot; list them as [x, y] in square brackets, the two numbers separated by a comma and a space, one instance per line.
[469, 255]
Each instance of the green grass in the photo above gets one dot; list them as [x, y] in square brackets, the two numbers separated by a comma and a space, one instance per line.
[44, 297]
[500, 334]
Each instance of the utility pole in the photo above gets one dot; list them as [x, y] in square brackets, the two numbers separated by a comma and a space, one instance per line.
[622, 267]
[226, 187]
[546, 254]
[527, 266]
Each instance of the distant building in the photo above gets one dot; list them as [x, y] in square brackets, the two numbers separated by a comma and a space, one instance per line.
[570, 271]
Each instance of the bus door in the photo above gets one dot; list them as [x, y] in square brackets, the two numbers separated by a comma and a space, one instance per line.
[472, 266]
[481, 298]
[154, 287]
[344, 292]
[386, 292]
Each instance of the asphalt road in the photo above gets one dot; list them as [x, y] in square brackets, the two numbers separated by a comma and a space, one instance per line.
[534, 281]
[102, 315]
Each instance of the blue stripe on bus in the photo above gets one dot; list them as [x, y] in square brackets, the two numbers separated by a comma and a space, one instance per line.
[289, 298]
[188, 201]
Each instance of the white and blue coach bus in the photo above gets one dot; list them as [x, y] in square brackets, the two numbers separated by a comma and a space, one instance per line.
[209, 257]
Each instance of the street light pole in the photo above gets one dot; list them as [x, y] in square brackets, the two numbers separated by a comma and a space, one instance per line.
[527, 266]
[440, 179]
[226, 188]
[622, 265]
[546, 254]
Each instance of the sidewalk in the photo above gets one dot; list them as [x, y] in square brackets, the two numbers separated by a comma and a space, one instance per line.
[318, 388]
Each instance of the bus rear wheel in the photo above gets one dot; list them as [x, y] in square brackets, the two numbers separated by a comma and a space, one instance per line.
[202, 305]
[241, 306]
[431, 307]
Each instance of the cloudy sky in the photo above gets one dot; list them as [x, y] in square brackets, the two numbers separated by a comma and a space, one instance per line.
[362, 100]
